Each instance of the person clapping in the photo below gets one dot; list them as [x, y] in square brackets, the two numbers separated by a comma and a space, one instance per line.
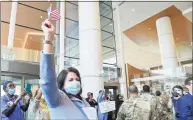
[90, 100]
[11, 104]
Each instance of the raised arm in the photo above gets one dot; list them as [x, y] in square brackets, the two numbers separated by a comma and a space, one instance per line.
[100, 97]
[47, 68]
[36, 101]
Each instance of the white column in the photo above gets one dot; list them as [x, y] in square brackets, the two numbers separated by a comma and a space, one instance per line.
[90, 48]
[62, 35]
[12, 25]
[120, 52]
[166, 43]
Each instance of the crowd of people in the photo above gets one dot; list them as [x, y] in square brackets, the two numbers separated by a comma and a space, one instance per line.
[60, 97]
[177, 105]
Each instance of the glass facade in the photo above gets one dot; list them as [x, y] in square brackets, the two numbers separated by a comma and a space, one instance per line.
[28, 33]
[107, 35]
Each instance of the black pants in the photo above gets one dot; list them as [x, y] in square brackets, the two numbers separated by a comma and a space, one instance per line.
[110, 115]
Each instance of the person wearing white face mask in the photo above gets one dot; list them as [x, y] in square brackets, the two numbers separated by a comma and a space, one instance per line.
[11, 104]
[63, 93]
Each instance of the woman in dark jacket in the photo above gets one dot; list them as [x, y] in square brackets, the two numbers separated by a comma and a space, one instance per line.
[119, 102]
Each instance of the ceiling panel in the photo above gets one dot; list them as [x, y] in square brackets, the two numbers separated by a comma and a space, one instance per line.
[40, 5]
[30, 17]
[20, 34]
[5, 6]
[138, 12]
[145, 32]
[144, 52]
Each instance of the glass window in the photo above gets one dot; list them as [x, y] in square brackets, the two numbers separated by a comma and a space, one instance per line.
[72, 29]
[71, 11]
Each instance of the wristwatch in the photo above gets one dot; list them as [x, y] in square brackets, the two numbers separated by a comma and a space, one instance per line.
[47, 42]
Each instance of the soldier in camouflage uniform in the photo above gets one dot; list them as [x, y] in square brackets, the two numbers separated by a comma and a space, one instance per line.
[162, 111]
[136, 107]
[146, 93]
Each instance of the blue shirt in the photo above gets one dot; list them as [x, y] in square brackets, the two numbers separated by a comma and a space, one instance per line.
[186, 107]
[176, 108]
[60, 105]
[101, 116]
[6, 102]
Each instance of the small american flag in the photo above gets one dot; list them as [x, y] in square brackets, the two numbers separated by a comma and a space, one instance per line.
[54, 14]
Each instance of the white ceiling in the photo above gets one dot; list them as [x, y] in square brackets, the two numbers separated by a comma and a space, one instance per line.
[148, 54]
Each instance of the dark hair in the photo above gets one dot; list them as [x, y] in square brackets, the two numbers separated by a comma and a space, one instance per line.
[157, 93]
[62, 77]
[133, 89]
[118, 96]
[100, 91]
[90, 93]
[187, 81]
[146, 88]
[177, 86]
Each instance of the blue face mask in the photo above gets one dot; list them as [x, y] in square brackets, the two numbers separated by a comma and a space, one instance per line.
[73, 87]
[11, 91]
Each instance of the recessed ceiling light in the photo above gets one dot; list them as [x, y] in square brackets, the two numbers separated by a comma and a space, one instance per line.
[133, 9]
[41, 17]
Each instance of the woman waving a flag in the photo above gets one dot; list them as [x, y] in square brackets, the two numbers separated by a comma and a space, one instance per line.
[62, 94]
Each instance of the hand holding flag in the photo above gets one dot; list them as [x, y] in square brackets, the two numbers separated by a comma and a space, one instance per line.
[53, 14]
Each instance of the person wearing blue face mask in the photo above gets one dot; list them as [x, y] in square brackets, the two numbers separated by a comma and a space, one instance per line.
[11, 104]
[63, 93]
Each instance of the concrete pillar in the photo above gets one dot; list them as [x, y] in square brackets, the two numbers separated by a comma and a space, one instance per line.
[12, 25]
[166, 43]
[90, 48]
[62, 35]
[167, 49]
[120, 51]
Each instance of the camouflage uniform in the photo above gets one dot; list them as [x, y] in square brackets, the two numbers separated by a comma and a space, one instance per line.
[136, 108]
[147, 96]
[161, 109]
